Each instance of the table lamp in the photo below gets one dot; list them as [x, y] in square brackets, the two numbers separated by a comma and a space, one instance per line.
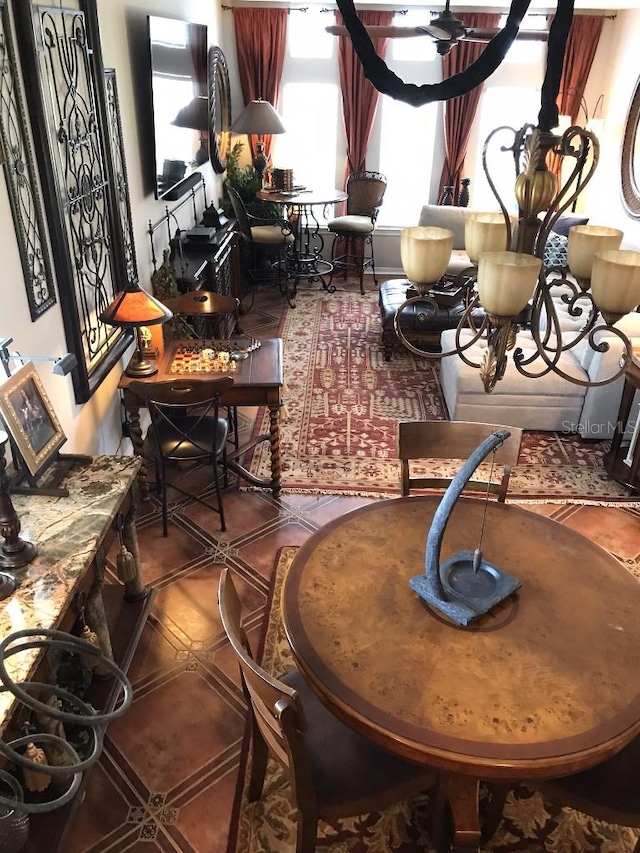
[133, 308]
[195, 116]
[258, 118]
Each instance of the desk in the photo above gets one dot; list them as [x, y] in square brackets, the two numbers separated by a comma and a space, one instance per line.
[73, 535]
[545, 685]
[309, 242]
[257, 381]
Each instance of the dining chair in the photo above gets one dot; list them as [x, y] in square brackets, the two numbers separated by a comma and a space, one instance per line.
[266, 246]
[610, 791]
[333, 771]
[186, 426]
[428, 440]
[354, 230]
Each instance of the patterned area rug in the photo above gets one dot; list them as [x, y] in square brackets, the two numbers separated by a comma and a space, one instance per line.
[344, 401]
[529, 825]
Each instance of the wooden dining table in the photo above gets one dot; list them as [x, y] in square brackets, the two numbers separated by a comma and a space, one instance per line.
[544, 685]
[257, 381]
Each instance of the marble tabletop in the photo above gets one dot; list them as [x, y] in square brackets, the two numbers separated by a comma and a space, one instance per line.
[68, 532]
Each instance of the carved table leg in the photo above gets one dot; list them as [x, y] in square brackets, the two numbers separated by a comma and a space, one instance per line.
[138, 448]
[274, 440]
[96, 619]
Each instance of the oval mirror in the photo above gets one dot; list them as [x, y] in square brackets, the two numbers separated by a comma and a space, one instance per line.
[219, 110]
[631, 157]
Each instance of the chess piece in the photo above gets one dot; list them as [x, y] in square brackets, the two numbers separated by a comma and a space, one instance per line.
[15, 551]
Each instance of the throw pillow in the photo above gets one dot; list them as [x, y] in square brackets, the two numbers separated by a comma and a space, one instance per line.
[555, 251]
[563, 223]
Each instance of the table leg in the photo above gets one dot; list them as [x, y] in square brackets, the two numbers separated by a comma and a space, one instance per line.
[138, 448]
[274, 441]
[462, 793]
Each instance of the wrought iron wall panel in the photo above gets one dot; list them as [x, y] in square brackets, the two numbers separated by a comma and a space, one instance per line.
[22, 179]
[120, 171]
[66, 90]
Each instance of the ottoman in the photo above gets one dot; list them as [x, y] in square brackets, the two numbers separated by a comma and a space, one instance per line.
[420, 323]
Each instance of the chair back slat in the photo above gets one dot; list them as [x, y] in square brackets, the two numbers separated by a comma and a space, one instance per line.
[452, 440]
[268, 696]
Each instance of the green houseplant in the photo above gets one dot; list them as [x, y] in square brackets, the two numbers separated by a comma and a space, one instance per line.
[246, 181]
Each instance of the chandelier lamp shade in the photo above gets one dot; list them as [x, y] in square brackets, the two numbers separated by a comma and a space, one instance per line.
[133, 308]
[260, 119]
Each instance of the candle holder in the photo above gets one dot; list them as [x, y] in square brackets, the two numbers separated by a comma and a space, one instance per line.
[15, 551]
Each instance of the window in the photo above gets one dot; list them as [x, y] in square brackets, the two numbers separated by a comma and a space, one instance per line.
[405, 129]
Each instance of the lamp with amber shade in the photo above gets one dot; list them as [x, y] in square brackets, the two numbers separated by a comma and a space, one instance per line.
[134, 308]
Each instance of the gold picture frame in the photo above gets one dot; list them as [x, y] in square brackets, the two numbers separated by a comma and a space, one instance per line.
[30, 419]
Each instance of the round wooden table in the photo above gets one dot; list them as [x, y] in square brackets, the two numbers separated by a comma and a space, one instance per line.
[545, 685]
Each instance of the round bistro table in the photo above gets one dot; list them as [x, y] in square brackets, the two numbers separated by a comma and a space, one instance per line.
[544, 685]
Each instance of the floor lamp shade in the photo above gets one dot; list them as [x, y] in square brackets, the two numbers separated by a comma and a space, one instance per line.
[258, 118]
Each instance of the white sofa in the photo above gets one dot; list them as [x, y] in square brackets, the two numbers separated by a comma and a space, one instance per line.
[548, 403]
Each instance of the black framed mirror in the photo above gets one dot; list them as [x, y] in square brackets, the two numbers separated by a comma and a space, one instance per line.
[219, 110]
[630, 166]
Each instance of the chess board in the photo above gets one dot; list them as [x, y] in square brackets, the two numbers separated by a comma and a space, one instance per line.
[203, 357]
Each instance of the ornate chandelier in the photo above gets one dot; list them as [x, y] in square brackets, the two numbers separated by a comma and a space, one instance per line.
[508, 285]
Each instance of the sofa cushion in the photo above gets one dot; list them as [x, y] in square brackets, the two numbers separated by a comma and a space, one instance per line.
[563, 223]
[555, 250]
[445, 216]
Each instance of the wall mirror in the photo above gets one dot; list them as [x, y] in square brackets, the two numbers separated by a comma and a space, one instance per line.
[219, 110]
[180, 100]
[631, 157]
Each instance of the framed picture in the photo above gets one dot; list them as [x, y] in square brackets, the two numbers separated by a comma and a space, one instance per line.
[30, 419]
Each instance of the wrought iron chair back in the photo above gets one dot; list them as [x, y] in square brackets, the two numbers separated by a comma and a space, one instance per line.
[186, 426]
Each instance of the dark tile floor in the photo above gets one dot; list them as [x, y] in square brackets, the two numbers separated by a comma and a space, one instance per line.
[167, 776]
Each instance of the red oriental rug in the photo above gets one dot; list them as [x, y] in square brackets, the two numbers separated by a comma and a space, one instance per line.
[344, 402]
[530, 824]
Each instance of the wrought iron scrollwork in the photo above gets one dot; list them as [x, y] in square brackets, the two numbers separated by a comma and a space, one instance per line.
[22, 180]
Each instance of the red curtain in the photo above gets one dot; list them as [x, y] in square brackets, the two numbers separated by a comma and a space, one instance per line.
[459, 113]
[261, 36]
[582, 44]
[359, 97]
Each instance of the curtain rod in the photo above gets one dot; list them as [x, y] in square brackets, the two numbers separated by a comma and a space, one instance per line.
[391, 7]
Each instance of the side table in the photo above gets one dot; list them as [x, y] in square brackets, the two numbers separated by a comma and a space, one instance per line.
[622, 461]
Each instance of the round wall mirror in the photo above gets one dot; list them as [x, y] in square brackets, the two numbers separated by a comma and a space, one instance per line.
[219, 110]
[631, 157]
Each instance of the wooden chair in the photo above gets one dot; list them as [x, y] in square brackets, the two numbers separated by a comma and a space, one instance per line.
[205, 315]
[355, 229]
[333, 771]
[186, 427]
[454, 440]
[609, 791]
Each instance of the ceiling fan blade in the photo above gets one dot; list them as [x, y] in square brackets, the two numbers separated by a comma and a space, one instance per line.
[378, 31]
[481, 34]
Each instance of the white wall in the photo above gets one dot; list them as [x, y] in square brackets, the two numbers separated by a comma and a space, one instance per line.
[615, 74]
[95, 427]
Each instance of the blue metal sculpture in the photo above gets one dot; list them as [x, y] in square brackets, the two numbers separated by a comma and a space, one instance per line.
[465, 586]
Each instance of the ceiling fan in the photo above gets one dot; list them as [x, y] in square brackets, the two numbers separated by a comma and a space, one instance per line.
[445, 29]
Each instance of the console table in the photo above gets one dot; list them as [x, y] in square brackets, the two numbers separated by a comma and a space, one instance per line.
[73, 535]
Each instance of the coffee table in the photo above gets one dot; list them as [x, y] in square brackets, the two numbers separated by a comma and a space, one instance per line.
[421, 322]
[543, 686]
